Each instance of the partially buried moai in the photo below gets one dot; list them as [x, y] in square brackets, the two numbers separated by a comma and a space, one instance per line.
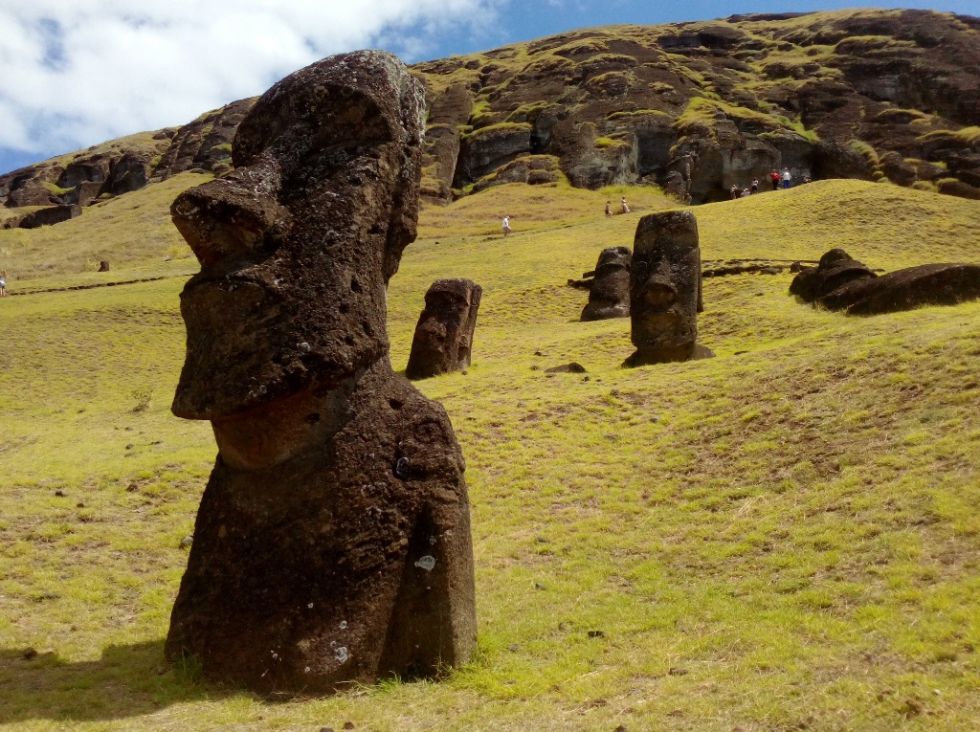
[332, 544]
[609, 292]
[443, 340]
[665, 289]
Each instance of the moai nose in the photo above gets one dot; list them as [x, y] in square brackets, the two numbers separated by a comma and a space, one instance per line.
[223, 218]
[659, 292]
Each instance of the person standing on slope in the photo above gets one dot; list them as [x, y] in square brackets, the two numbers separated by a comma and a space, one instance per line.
[3, 283]
[506, 225]
[786, 178]
[774, 179]
[625, 206]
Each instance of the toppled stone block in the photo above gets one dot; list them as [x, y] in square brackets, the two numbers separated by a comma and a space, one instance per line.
[332, 545]
[443, 339]
[904, 289]
[835, 268]
[665, 289]
[609, 291]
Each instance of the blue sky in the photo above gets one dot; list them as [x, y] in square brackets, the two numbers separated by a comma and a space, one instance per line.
[76, 74]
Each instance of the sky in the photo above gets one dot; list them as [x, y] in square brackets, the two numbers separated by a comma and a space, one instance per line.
[77, 73]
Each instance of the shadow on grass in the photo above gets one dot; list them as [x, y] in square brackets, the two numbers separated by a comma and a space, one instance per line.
[127, 681]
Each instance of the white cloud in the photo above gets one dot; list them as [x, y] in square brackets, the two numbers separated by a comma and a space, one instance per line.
[78, 73]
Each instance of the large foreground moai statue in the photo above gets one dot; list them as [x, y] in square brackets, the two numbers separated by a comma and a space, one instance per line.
[665, 289]
[332, 544]
[443, 340]
[609, 292]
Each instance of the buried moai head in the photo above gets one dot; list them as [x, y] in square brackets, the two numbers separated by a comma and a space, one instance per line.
[609, 293]
[665, 289]
[298, 242]
[443, 339]
[836, 268]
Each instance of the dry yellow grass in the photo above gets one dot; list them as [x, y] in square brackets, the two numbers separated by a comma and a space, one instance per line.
[784, 538]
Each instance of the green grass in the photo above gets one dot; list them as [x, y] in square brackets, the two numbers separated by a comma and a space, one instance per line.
[782, 537]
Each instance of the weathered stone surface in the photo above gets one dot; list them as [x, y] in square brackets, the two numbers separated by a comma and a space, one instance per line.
[127, 173]
[531, 169]
[205, 142]
[835, 268]
[84, 193]
[491, 148]
[332, 544]
[904, 289]
[447, 112]
[609, 293]
[443, 339]
[665, 289]
[49, 216]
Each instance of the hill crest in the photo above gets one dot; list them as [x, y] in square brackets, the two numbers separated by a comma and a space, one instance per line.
[692, 107]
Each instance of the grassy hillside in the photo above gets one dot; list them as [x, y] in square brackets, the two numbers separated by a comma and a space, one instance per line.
[782, 537]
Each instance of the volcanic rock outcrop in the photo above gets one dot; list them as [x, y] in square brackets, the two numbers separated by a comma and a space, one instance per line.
[841, 283]
[609, 292]
[665, 289]
[332, 544]
[443, 340]
[693, 107]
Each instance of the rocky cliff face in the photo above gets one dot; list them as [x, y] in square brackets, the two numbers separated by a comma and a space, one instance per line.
[696, 107]
[127, 164]
[692, 107]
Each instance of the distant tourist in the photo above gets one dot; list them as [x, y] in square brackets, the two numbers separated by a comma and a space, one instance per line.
[608, 208]
[506, 225]
[625, 206]
[787, 177]
[3, 283]
[755, 185]
[734, 191]
[774, 178]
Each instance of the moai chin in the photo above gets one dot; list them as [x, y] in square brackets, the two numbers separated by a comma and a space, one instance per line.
[332, 545]
[665, 289]
[443, 340]
[609, 293]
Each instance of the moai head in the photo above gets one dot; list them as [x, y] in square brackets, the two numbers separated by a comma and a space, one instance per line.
[298, 242]
[665, 288]
[836, 268]
[609, 294]
[444, 334]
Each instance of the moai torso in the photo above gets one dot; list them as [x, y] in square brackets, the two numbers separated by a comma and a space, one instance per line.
[665, 289]
[443, 340]
[332, 544]
[609, 293]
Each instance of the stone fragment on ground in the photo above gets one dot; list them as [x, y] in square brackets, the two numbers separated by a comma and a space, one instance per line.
[841, 283]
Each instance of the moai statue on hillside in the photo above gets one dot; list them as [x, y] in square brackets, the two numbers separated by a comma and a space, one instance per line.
[609, 292]
[665, 289]
[836, 268]
[443, 339]
[332, 544]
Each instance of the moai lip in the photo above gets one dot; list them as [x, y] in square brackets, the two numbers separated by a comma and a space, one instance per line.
[665, 289]
[609, 292]
[332, 545]
[443, 340]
